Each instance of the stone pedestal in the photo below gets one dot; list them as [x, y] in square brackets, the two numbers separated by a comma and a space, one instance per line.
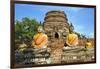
[79, 54]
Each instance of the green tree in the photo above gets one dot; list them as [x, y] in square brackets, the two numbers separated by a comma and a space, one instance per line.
[25, 30]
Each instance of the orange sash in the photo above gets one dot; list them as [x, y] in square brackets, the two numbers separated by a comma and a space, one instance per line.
[73, 40]
[39, 39]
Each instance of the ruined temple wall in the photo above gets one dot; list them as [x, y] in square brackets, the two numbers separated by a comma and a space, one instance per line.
[56, 16]
[56, 22]
[56, 19]
[83, 41]
[57, 25]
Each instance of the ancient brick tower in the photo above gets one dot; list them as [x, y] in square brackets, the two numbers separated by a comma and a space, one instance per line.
[56, 27]
[56, 24]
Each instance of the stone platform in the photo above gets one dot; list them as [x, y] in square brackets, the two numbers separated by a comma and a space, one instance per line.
[77, 54]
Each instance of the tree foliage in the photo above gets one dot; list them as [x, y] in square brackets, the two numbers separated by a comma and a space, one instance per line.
[25, 29]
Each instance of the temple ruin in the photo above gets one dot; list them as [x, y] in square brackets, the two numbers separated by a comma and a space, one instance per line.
[56, 27]
[56, 24]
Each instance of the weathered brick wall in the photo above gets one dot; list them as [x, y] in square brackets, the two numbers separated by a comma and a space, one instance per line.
[56, 51]
[83, 41]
